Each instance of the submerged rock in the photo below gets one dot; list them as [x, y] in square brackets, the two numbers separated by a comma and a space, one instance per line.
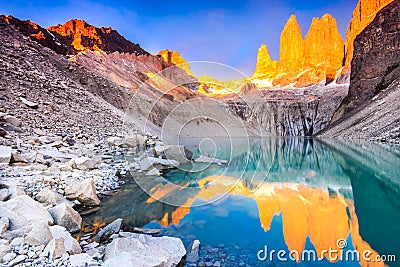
[146, 231]
[193, 256]
[154, 172]
[205, 159]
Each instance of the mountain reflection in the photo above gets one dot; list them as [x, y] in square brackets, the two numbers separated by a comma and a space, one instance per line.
[309, 185]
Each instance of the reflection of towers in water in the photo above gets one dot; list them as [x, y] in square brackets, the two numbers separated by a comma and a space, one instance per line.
[306, 212]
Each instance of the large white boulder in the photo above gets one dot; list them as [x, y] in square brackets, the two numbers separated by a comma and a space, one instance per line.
[55, 248]
[5, 154]
[84, 191]
[134, 140]
[48, 197]
[71, 245]
[23, 211]
[85, 163]
[82, 260]
[144, 250]
[39, 235]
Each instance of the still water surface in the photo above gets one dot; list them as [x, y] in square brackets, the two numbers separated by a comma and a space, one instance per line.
[277, 194]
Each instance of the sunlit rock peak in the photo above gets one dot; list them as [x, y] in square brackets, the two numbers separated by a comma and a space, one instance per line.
[175, 58]
[291, 47]
[323, 45]
[323, 52]
[265, 67]
[79, 36]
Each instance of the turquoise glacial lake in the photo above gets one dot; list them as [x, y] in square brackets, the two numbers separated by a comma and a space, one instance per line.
[303, 199]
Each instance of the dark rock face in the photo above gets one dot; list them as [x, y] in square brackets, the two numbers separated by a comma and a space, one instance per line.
[376, 59]
[37, 33]
[371, 109]
[300, 112]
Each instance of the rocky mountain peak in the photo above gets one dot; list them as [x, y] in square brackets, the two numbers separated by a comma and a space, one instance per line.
[266, 67]
[75, 36]
[291, 46]
[323, 44]
[173, 57]
[80, 36]
[310, 61]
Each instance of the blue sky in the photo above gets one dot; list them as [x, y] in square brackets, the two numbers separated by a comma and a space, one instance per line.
[227, 32]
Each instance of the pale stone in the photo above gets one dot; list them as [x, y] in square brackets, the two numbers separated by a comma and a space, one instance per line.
[64, 215]
[84, 191]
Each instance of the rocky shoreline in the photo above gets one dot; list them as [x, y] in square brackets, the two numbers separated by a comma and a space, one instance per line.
[45, 178]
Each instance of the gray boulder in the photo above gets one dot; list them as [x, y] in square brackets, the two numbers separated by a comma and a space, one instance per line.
[71, 245]
[9, 256]
[144, 250]
[4, 250]
[39, 235]
[4, 194]
[82, 260]
[55, 248]
[29, 103]
[84, 191]
[134, 140]
[147, 163]
[17, 158]
[48, 197]
[23, 211]
[17, 260]
[178, 153]
[114, 141]
[105, 233]
[85, 163]
[12, 120]
[5, 154]
[64, 215]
